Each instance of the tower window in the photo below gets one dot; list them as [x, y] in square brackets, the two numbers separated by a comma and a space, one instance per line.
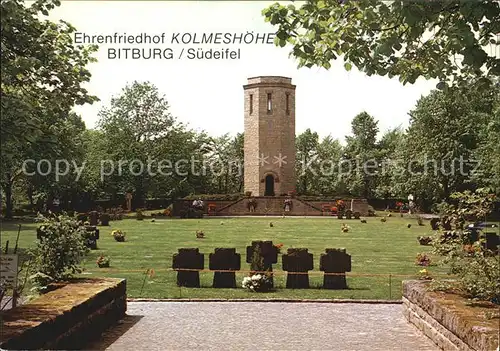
[287, 103]
[269, 103]
[251, 103]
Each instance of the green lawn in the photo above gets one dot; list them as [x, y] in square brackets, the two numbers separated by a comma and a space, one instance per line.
[378, 249]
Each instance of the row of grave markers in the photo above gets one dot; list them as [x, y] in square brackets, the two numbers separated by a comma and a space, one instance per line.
[297, 261]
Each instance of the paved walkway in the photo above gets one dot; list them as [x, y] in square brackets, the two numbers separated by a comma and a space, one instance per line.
[263, 326]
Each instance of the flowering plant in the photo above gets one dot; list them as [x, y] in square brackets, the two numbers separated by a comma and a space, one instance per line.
[118, 235]
[422, 260]
[424, 274]
[102, 261]
[257, 283]
[278, 247]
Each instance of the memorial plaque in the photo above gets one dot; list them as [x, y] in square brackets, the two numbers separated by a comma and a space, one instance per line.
[8, 270]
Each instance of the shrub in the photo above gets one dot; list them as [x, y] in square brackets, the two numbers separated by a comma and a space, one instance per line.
[477, 270]
[60, 249]
[260, 279]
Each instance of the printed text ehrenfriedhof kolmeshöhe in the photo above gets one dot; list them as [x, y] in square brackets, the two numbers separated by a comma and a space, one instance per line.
[157, 50]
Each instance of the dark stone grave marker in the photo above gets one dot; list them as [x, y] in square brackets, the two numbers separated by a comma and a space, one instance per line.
[335, 261]
[297, 260]
[191, 260]
[93, 218]
[228, 260]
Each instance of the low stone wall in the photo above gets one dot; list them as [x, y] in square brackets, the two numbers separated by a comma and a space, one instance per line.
[448, 319]
[65, 318]
[272, 205]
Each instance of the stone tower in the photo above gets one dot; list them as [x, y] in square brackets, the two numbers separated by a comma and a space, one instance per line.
[269, 136]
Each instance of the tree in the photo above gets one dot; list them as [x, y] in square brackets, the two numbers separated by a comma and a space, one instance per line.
[134, 127]
[443, 39]
[41, 80]
[306, 145]
[67, 152]
[328, 180]
[361, 155]
[488, 151]
[446, 129]
[147, 151]
[387, 151]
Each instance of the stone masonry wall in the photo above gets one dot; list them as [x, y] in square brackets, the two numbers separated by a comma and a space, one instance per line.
[270, 134]
[449, 320]
[66, 318]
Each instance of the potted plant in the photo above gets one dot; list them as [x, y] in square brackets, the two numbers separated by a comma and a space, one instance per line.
[118, 235]
[103, 261]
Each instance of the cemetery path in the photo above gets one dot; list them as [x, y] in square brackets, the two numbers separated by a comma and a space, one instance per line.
[263, 326]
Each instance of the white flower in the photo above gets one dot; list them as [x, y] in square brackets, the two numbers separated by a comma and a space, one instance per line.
[256, 277]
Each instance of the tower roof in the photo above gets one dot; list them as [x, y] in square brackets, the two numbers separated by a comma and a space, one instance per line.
[269, 81]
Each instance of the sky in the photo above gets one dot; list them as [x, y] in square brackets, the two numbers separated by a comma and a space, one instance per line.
[208, 94]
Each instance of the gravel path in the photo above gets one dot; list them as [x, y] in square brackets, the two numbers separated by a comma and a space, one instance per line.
[263, 326]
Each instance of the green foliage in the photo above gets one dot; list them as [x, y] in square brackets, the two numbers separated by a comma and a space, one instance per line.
[224, 156]
[60, 250]
[42, 77]
[445, 40]
[440, 153]
[361, 155]
[257, 261]
[307, 150]
[138, 126]
[477, 269]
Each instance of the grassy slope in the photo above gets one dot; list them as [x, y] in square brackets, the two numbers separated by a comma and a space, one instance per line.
[376, 248]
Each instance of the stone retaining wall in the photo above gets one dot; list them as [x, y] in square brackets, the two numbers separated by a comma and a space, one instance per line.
[448, 320]
[65, 318]
[271, 206]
